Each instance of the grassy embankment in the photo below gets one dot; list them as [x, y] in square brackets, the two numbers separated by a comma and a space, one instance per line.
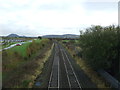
[22, 64]
[93, 75]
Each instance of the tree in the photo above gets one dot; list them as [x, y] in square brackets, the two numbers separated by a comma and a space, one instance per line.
[39, 37]
[100, 47]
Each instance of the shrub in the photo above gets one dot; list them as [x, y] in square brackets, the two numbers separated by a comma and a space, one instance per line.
[100, 47]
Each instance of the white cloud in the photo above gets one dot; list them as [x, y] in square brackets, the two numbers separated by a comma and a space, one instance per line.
[38, 17]
[104, 18]
[102, 0]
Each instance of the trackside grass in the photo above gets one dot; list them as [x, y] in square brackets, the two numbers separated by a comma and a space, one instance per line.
[93, 75]
[19, 62]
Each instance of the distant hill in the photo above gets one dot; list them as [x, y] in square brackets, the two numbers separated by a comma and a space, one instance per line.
[61, 36]
[50, 36]
[15, 35]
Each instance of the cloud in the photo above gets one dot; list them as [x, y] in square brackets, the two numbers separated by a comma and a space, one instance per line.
[40, 17]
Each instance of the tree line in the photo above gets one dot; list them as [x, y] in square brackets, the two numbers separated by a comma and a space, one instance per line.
[100, 47]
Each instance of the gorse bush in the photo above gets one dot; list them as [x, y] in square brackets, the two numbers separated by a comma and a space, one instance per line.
[101, 47]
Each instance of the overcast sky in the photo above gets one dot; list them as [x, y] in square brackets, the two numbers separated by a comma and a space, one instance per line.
[42, 17]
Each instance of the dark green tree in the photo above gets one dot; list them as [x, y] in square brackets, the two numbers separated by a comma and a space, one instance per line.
[39, 37]
[101, 47]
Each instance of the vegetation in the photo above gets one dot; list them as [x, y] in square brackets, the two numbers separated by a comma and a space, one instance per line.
[100, 47]
[95, 78]
[18, 38]
[39, 37]
[21, 64]
[65, 40]
[88, 70]
[21, 50]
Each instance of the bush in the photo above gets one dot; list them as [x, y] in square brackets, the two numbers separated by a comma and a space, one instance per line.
[101, 47]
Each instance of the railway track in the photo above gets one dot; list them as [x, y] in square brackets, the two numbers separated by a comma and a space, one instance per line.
[54, 77]
[62, 74]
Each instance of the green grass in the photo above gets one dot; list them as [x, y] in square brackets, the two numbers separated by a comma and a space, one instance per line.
[21, 49]
[0, 46]
[0, 76]
[76, 41]
[38, 40]
[65, 40]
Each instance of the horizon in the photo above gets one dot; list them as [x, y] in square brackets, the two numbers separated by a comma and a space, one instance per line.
[36, 36]
[38, 18]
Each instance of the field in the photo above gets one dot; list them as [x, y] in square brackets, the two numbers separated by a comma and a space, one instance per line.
[23, 48]
[20, 49]
[65, 40]
[19, 61]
